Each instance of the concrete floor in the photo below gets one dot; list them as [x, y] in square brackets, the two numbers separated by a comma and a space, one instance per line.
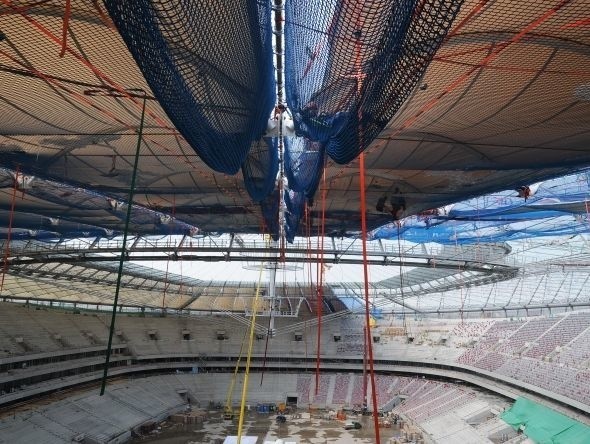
[314, 430]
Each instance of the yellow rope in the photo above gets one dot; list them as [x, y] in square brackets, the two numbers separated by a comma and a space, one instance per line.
[228, 402]
[249, 356]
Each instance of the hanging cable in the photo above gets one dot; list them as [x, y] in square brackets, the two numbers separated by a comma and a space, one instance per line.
[249, 355]
[460, 274]
[9, 234]
[280, 108]
[268, 333]
[123, 252]
[180, 287]
[166, 283]
[401, 276]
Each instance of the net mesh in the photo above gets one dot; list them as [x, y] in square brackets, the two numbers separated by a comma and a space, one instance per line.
[260, 168]
[303, 164]
[270, 213]
[295, 204]
[503, 102]
[74, 212]
[210, 66]
[350, 67]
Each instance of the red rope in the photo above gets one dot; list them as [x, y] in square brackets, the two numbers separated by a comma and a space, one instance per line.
[308, 228]
[320, 287]
[104, 18]
[475, 11]
[309, 255]
[24, 9]
[359, 80]
[571, 73]
[308, 235]
[65, 27]
[268, 333]
[52, 37]
[366, 279]
[482, 64]
[9, 234]
[166, 283]
[86, 101]
[365, 385]
[582, 22]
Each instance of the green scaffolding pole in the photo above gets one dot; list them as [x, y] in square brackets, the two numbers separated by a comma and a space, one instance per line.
[122, 259]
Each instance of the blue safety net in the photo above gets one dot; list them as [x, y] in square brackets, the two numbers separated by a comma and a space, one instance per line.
[45, 232]
[270, 214]
[304, 161]
[74, 212]
[295, 206]
[556, 207]
[350, 66]
[209, 65]
[260, 168]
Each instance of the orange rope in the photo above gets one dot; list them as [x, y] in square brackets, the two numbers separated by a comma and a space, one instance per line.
[9, 234]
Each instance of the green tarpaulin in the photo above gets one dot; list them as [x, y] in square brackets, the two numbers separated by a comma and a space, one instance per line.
[545, 426]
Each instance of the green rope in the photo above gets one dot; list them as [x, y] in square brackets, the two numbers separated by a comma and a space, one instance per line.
[122, 259]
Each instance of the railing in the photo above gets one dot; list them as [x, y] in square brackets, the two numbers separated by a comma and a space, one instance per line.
[190, 244]
[228, 249]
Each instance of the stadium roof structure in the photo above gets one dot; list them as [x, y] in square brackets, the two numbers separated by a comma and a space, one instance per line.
[448, 101]
[504, 102]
